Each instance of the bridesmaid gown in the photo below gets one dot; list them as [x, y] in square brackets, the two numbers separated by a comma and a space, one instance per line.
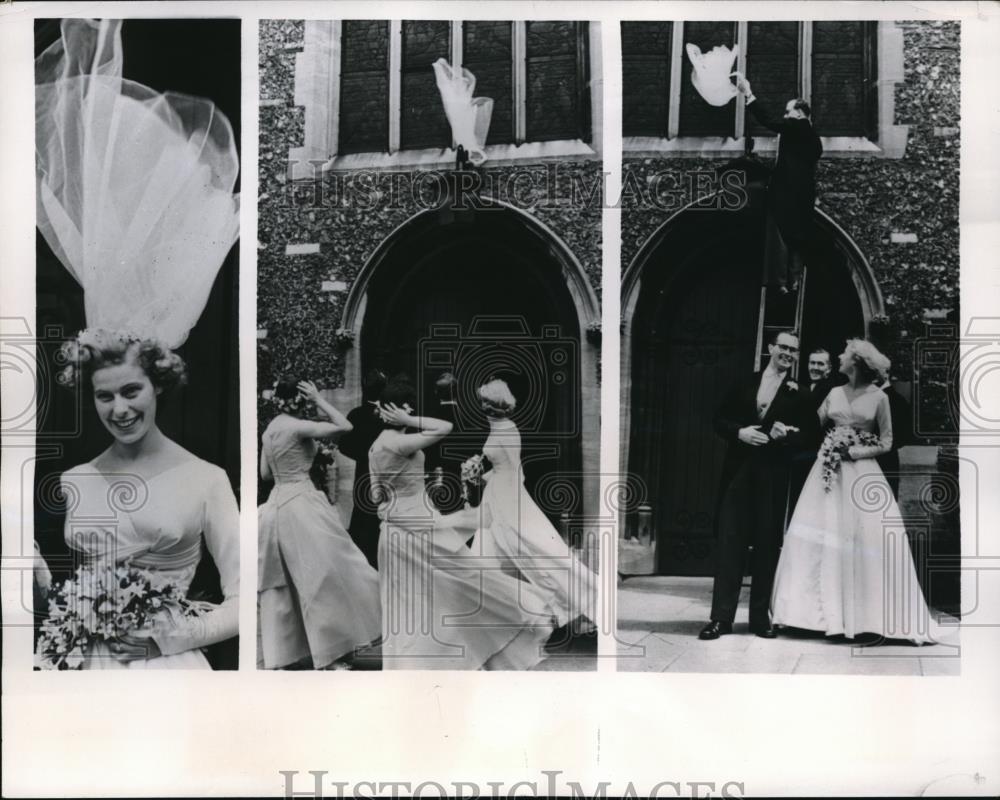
[317, 594]
[517, 532]
[845, 566]
[442, 607]
[158, 524]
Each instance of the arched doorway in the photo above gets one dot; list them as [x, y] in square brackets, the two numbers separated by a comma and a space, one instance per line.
[481, 292]
[693, 301]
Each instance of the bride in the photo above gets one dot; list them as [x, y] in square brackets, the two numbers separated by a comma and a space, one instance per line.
[516, 530]
[441, 607]
[845, 566]
[146, 253]
[163, 499]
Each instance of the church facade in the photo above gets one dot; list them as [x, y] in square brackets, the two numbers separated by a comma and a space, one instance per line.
[885, 100]
[378, 250]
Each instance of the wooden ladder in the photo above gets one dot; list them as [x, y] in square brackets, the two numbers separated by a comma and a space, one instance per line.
[779, 312]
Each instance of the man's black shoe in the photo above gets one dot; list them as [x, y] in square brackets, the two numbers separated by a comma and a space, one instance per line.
[715, 629]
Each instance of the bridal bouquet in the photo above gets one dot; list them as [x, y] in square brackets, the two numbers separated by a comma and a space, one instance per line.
[322, 468]
[837, 442]
[472, 475]
[102, 602]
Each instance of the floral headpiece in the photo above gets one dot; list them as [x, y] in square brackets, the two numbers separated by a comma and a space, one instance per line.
[286, 405]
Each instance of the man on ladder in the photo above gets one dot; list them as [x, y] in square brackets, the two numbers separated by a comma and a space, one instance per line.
[791, 190]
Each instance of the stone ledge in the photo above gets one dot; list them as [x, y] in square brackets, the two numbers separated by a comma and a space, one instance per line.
[302, 249]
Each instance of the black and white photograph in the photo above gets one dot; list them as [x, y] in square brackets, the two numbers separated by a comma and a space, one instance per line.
[428, 314]
[790, 258]
[138, 453]
[593, 399]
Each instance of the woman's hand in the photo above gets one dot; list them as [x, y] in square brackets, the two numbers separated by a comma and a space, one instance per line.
[854, 452]
[391, 414]
[308, 390]
[133, 648]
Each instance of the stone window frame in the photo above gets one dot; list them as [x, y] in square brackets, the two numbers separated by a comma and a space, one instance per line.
[891, 139]
[317, 90]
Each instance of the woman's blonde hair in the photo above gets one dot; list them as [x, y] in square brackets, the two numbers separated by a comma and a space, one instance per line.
[867, 357]
[496, 395]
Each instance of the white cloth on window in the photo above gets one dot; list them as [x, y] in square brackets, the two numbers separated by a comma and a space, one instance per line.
[710, 72]
[468, 116]
[135, 187]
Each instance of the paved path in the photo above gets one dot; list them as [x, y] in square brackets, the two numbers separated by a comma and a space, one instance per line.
[659, 619]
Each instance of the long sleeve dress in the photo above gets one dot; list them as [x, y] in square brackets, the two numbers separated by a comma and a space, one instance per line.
[518, 532]
[158, 524]
[845, 567]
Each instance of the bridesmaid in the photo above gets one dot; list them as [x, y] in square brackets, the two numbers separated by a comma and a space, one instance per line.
[441, 608]
[317, 596]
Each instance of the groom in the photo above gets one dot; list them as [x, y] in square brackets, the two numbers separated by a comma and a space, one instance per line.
[764, 419]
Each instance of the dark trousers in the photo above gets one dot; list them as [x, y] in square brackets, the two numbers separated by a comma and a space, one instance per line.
[889, 464]
[783, 259]
[752, 512]
[364, 531]
[799, 468]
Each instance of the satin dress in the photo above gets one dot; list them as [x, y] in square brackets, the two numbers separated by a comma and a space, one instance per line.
[443, 608]
[518, 532]
[158, 524]
[317, 595]
[845, 565]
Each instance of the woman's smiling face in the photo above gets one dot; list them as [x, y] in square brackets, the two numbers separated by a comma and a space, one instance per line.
[125, 399]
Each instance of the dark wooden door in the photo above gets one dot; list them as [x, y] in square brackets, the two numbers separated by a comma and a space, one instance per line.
[695, 337]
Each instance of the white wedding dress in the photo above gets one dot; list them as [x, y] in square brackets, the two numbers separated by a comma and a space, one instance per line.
[845, 566]
[443, 608]
[518, 533]
[158, 525]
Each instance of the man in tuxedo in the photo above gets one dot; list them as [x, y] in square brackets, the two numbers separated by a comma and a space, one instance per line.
[763, 419]
[791, 190]
[364, 525]
[820, 379]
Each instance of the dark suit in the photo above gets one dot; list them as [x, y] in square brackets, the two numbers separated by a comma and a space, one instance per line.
[448, 497]
[819, 391]
[902, 432]
[791, 192]
[364, 525]
[753, 494]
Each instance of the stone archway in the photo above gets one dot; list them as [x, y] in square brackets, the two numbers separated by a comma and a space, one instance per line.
[690, 309]
[485, 275]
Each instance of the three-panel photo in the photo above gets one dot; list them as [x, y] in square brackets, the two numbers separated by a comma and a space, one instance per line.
[430, 346]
